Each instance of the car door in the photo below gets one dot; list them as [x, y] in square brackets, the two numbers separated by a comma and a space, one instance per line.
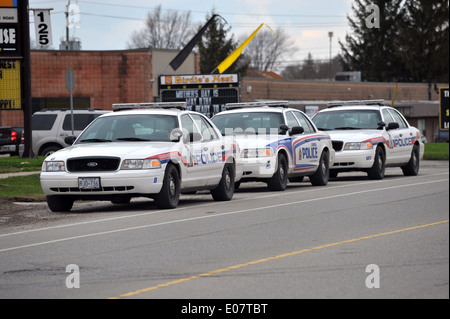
[403, 138]
[192, 150]
[305, 150]
[211, 150]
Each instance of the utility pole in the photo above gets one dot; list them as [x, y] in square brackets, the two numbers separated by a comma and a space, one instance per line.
[330, 35]
[24, 43]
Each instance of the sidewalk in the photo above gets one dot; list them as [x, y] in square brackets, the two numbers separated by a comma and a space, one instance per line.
[6, 175]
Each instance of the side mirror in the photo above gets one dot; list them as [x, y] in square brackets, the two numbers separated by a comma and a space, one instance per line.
[176, 134]
[70, 139]
[381, 125]
[392, 126]
[296, 130]
[284, 128]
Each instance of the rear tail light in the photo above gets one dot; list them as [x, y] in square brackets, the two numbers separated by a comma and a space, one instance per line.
[13, 136]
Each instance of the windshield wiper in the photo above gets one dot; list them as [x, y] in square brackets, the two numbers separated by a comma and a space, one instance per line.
[347, 128]
[131, 139]
[94, 140]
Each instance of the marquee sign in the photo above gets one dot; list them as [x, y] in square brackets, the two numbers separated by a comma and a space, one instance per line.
[10, 97]
[207, 94]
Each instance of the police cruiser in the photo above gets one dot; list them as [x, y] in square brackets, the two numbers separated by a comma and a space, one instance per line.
[277, 143]
[155, 150]
[368, 136]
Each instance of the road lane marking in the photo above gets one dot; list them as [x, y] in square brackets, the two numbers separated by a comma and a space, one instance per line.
[277, 206]
[260, 261]
[287, 193]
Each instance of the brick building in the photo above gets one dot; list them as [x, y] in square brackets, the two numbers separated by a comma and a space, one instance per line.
[106, 77]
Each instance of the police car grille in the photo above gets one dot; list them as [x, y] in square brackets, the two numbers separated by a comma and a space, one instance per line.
[337, 145]
[93, 164]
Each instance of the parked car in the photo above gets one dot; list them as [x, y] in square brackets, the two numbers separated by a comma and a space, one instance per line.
[440, 136]
[11, 137]
[368, 136]
[155, 150]
[278, 144]
[51, 127]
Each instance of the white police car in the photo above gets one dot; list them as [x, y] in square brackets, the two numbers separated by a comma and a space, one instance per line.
[277, 143]
[153, 150]
[368, 136]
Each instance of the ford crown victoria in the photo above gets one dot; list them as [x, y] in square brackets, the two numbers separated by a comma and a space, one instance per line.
[368, 136]
[277, 143]
[155, 150]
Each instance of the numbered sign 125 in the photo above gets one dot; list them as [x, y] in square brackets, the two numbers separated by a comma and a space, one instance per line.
[43, 27]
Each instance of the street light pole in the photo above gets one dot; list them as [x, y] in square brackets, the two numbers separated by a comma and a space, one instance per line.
[330, 35]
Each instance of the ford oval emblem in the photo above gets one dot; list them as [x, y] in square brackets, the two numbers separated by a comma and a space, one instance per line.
[92, 164]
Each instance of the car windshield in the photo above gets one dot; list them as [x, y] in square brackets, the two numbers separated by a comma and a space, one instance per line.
[347, 120]
[248, 123]
[127, 128]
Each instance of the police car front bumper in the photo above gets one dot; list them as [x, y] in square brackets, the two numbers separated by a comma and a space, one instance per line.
[122, 182]
[354, 159]
[259, 168]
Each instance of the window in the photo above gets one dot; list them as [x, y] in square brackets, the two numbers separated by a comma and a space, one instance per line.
[291, 120]
[305, 123]
[387, 117]
[80, 121]
[398, 118]
[43, 122]
[206, 129]
[188, 124]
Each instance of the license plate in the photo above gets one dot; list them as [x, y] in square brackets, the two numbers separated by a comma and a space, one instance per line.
[89, 182]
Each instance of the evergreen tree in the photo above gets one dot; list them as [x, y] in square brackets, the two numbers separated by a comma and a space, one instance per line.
[423, 41]
[215, 47]
[371, 48]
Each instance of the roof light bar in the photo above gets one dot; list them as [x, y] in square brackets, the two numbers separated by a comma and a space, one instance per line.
[355, 102]
[158, 105]
[283, 104]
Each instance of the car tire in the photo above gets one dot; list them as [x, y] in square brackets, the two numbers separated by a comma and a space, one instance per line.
[413, 166]
[376, 172]
[169, 196]
[59, 204]
[225, 190]
[279, 180]
[322, 175]
[49, 150]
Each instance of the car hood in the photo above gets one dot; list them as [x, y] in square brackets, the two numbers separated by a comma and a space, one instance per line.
[354, 135]
[129, 150]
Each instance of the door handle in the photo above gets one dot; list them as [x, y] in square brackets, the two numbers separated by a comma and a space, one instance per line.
[205, 149]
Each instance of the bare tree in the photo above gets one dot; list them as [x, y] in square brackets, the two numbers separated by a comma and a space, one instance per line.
[265, 51]
[171, 30]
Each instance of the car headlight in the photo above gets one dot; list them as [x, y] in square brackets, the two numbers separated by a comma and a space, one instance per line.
[141, 164]
[358, 146]
[257, 152]
[53, 166]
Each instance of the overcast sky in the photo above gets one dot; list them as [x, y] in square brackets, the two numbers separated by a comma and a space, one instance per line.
[108, 24]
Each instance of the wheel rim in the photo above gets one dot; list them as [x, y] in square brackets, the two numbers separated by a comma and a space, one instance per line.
[172, 187]
[227, 180]
[282, 172]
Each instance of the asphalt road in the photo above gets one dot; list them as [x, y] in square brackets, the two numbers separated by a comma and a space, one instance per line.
[354, 238]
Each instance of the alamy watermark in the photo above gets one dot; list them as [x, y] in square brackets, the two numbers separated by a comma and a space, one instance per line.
[373, 279]
[373, 20]
[73, 280]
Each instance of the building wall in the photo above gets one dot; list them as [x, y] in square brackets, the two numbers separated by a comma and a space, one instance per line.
[108, 77]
